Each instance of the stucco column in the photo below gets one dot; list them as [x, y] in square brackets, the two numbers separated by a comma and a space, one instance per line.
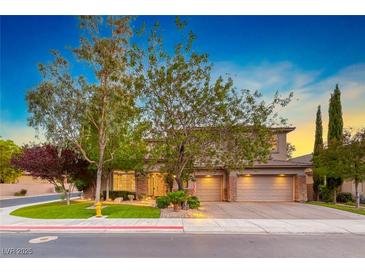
[300, 188]
[231, 186]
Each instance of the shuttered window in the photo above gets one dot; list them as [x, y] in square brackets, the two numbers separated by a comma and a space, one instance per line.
[124, 181]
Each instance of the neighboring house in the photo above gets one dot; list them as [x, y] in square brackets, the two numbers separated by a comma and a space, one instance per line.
[34, 186]
[277, 180]
[347, 186]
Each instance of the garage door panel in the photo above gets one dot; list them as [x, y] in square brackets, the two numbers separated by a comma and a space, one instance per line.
[209, 189]
[265, 188]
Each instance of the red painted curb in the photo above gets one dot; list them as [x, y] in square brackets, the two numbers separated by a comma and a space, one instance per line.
[17, 227]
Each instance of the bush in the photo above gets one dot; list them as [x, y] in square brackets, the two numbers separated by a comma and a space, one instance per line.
[177, 197]
[193, 202]
[344, 197]
[58, 189]
[115, 194]
[362, 199]
[22, 192]
[162, 202]
[325, 194]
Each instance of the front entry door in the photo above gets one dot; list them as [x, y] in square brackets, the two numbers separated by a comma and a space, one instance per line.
[156, 185]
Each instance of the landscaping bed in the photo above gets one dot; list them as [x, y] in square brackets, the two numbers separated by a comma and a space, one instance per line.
[343, 207]
[79, 210]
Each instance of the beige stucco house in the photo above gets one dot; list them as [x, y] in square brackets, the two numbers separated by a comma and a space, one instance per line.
[277, 180]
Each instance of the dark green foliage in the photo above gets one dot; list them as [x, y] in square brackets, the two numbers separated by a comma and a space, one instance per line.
[335, 123]
[335, 131]
[344, 197]
[193, 202]
[177, 197]
[119, 194]
[22, 192]
[318, 141]
[318, 147]
[162, 202]
[325, 194]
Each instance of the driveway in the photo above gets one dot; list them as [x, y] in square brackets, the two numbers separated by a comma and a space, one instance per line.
[271, 210]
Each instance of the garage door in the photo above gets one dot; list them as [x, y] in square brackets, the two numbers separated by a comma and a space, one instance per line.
[209, 189]
[265, 188]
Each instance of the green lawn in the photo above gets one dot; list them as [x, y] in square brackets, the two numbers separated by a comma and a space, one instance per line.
[340, 207]
[78, 210]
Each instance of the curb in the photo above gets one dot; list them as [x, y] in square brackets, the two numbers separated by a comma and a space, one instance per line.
[86, 228]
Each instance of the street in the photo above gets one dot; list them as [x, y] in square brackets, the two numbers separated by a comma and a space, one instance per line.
[34, 199]
[183, 245]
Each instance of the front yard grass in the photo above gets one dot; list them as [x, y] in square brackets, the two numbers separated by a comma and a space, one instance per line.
[339, 207]
[79, 210]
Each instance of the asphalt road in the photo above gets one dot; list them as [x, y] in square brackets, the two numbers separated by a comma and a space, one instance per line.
[34, 199]
[184, 245]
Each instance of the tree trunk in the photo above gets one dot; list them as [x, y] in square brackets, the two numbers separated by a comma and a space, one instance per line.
[357, 194]
[98, 183]
[179, 183]
[335, 195]
[67, 196]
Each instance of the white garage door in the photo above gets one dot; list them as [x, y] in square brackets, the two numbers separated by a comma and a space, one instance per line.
[265, 188]
[209, 189]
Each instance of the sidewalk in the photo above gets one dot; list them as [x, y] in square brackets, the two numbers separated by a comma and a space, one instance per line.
[210, 226]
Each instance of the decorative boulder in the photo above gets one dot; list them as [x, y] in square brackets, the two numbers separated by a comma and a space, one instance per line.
[118, 200]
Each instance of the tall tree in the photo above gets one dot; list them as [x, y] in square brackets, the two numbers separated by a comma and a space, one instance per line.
[8, 173]
[58, 166]
[317, 149]
[65, 106]
[346, 160]
[335, 134]
[198, 120]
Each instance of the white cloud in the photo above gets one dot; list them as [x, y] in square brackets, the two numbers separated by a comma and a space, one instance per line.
[310, 90]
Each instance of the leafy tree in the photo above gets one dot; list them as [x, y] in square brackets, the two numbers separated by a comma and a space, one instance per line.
[197, 120]
[335, 134]
[290, 149]
[8, 173]
[129, 149]
[345, 160]
[58, 166]
[318, 148]
[66, 107]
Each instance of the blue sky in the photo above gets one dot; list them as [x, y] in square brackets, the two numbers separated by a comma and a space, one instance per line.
[304, 54]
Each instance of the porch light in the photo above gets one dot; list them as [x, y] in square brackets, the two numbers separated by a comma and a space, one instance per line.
[281, 175]
[247, 175]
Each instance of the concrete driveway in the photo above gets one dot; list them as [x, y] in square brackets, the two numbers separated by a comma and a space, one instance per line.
[271, 210]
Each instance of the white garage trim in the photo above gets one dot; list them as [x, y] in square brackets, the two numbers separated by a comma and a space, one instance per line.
[268, 187]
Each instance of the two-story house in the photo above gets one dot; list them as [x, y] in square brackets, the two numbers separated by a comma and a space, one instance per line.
[279, 179]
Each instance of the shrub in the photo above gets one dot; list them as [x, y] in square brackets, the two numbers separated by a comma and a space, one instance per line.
[162, 202]
[58, 189]
[22, 192]
[115, 194]
[193, 202]
[177, 197]
[362, 199]
[344, 197]
[325, 194]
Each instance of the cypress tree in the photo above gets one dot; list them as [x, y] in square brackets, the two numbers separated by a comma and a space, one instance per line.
[318, 147]
[335, 123]
[335, 133]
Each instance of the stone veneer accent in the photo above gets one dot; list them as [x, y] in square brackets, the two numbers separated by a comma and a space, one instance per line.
[300, 188]
[141, 184]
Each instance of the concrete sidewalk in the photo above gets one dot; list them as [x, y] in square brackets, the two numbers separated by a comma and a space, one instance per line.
[240, 226]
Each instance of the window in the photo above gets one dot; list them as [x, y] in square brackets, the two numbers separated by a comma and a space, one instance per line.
[124, 181]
